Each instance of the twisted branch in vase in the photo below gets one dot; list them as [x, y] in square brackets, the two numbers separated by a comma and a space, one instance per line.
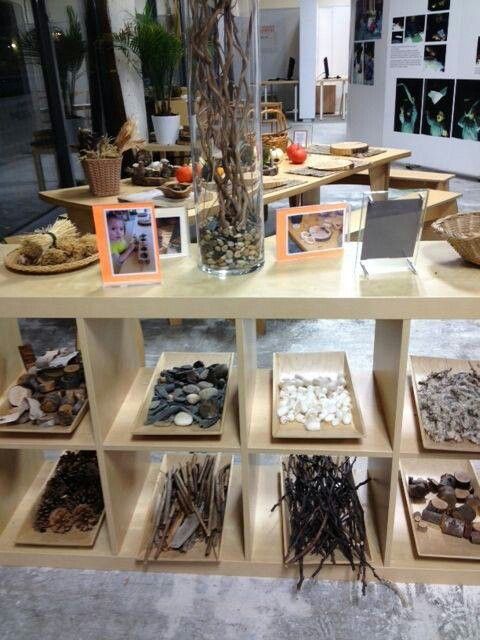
[223, 107]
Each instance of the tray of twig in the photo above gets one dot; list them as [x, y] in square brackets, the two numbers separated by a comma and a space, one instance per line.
[185, 519]
[325, 519]
[446, 392]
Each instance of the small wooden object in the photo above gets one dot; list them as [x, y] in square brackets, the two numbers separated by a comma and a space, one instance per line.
[348, 149]
[328, 363]
[27, 355]
[433, 543]
[176, 359]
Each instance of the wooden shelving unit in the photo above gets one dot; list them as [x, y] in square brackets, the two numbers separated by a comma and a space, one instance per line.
[112, 346]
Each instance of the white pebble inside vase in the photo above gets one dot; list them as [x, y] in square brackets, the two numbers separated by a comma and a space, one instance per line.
[311, 401]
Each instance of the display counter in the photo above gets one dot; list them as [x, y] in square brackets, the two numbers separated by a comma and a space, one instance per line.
[111, 342]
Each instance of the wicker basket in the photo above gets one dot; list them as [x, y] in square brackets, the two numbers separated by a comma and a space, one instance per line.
[462, 231]
[278, 139]
[12, 263]
[103, 175]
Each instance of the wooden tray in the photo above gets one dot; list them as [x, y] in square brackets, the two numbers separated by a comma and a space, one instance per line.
[197, 552]
[329, 163]
[421, 367]
[73, 538]
[175, 359]
[433, 543]
[315, 364]
[28, 427]
[312, 559]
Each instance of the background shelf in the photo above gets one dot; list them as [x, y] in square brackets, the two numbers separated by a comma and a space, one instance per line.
[376, 442]
[81, 438]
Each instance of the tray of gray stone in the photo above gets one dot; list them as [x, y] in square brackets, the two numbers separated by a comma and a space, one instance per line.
[188, 395]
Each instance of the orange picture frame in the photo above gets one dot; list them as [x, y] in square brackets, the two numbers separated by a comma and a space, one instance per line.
[127, 243]
[314, 231]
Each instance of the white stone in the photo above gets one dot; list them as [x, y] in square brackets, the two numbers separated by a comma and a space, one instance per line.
[347, 418]
[300, 417]
[183, 419]
[282, 410]
[283, 420]
[312, 423]
[335, 422]
[193, 398]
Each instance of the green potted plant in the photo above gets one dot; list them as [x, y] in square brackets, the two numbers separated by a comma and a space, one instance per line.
[155, 54]
[70, 51]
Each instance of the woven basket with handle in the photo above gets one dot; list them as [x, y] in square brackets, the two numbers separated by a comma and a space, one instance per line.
[103, 175]
[462, 231]
[279, 138]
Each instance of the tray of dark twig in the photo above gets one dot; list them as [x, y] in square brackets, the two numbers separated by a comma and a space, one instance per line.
[185, 519]
[324, 520]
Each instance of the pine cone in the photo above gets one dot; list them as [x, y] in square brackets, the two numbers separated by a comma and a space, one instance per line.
[84, 517]
[60, 520]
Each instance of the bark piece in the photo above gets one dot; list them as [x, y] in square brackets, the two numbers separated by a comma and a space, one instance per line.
[452, 526]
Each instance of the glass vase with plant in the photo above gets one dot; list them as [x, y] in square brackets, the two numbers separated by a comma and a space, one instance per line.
[155, 53]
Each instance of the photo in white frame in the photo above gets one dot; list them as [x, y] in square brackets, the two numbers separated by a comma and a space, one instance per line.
[172, 232]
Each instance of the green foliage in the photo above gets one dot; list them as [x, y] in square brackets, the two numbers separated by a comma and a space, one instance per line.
[154, 52]
[70, 51]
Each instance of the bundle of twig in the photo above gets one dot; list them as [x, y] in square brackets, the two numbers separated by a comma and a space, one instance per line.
[56, 244]
[190, 508]
[325, 515]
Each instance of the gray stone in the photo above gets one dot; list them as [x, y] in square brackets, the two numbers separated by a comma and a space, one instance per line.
[203, 384]
[193, 398]
[207, 394]
[190, 388]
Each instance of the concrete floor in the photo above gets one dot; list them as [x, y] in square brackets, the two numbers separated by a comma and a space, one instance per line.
[49, 604]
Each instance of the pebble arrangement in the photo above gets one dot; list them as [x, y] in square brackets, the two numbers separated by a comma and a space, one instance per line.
[192, 393]
[230, 248]
[312, 401]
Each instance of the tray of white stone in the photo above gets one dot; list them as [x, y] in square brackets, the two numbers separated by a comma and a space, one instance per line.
[314, 397]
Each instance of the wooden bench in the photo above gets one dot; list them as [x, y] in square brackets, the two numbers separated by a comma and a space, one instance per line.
[439, 205]
[407, 179]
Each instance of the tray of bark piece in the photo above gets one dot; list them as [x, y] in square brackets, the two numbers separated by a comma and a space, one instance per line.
[185, 517]
[69, 509]
[442, 498]
[190, 394]
[447, 402]
[314, 397]
[332, 502]
[50, 397]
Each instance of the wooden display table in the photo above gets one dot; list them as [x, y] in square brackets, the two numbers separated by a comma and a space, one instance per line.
[78, 201]
[112, 348]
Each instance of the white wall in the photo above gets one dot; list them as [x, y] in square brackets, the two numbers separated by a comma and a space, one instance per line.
[371, 109]
[333, 37]
[283, 43]
[308, 58]
[445, 154]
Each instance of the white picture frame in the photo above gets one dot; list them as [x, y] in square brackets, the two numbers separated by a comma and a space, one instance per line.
[173, 221]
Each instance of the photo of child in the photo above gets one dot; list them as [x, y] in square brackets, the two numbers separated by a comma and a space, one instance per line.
[130, 240]
[408, 105]
[414, 29]
[438, 107]
[363, 63]
[466, 119]
[368, 19]
[438, 5]
[435, 56]
[437, 27]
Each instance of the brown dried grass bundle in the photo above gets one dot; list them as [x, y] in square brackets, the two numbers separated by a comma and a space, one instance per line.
[125, 139]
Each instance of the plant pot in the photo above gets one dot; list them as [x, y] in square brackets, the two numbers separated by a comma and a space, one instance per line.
[166, 128]
[103, 175]
[72, 125]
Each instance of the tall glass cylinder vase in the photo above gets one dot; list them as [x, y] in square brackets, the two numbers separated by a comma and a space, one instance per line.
[221, 39]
